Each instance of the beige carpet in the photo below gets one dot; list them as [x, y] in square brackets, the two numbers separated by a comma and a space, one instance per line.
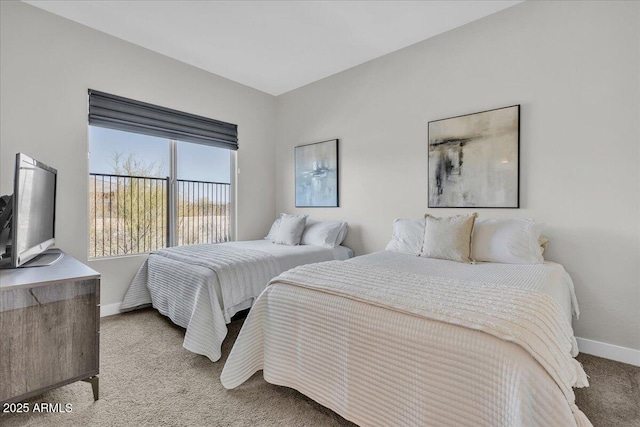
[148, 379]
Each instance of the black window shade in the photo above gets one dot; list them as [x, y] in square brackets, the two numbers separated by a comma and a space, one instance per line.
[116, 112]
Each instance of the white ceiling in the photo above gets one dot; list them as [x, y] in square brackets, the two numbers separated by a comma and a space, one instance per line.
[273, 46]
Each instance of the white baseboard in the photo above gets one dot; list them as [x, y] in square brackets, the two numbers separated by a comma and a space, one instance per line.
[609, 351]
[109, 309]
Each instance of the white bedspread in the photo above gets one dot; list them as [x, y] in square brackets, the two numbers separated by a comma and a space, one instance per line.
[549, 278]
[201, 287]
[392, 347]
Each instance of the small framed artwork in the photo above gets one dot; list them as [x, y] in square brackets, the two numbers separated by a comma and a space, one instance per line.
[474, 160]
[317, 175]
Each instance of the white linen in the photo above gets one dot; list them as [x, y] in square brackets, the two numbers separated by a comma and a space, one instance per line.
[293, 256]
[322, 233]
[203, 293]
[512, 241]
[407, 237]
[290, 229]
[448, 237]
[375, 364]
[343, 234]
[250, 268]
[549, 278]
[274, 228]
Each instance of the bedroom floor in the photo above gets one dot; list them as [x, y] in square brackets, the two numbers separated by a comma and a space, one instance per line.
[147, 378]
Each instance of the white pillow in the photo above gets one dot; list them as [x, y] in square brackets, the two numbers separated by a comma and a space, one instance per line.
[274, 229]
[322, 233]
[408, 235]
[448, 238]
[290, 229]
[342, 234]
[509, 241]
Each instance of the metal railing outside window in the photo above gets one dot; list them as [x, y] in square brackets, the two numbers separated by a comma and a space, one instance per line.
[130, 214]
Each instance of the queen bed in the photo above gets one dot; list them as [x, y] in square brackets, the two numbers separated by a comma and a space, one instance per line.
[397, 339]
[201, 287]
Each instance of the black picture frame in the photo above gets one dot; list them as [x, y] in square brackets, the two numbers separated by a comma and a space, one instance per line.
[486, 137]
[301, 157]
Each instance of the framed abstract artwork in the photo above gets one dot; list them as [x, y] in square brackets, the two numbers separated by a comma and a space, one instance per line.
[474, 160]
[316, 169]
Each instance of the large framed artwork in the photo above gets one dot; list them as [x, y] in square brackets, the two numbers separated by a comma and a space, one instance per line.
[317, 174]
[474, 160]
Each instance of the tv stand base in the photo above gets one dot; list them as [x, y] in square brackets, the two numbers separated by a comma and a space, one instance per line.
[48, 257]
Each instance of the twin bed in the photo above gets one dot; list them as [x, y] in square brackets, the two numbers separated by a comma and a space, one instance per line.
[201, 287]
[386, 338]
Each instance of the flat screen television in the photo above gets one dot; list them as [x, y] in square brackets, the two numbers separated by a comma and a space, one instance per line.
[34, 209]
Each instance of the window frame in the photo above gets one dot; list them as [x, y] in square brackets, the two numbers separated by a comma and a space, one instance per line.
[172, 188]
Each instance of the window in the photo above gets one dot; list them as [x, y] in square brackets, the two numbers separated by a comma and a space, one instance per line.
[128, 189]
[203, 194]
[148, 192]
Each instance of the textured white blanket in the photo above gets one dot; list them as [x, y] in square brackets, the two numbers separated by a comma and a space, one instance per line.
[178, 282]
[504, 387]
[242, 273]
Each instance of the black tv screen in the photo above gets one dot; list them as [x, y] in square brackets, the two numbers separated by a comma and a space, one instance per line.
[34, 206]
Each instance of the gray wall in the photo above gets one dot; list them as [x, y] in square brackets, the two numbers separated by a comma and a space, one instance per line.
[573, 67]
[47, 63]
